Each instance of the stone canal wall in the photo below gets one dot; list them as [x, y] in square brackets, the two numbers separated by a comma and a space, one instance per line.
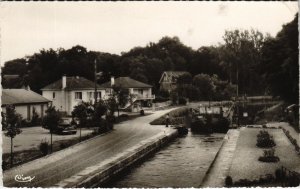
[96, 175]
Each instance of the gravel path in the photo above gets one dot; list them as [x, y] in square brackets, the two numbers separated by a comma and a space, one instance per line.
[63, 164]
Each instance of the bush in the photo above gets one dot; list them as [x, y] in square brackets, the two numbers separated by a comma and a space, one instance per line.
[62, 146]
[25, 123]
[163, 94]
[279, 174]
[269, 156]
[182, 101]
[44, 147]
[228, 181]
[160, 99]
[265, 140]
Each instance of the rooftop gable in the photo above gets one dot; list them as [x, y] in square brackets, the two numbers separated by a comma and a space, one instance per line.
[172, 74]
[126, 82]
[72, 83]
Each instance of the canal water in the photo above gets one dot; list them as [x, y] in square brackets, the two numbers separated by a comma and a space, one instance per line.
[183, 163]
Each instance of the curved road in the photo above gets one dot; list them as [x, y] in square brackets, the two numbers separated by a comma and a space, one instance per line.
[63, 164]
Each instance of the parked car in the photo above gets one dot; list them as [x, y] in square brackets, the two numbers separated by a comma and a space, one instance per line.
[66, 126]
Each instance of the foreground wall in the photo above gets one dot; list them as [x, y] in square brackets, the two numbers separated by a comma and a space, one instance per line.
[99, 174]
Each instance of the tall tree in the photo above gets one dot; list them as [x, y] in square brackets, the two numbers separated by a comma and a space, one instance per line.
[280, 63]
[11, 123]
[50, 122]
[241, 55]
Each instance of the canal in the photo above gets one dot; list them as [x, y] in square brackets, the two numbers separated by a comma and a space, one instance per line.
[183, 163]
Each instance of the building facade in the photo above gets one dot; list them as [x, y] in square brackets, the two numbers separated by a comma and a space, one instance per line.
[68, 92]
[26, 102]
[141, 93]
[168, 80]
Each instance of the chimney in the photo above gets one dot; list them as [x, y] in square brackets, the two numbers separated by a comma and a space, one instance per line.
[64, 81]
[112, 80]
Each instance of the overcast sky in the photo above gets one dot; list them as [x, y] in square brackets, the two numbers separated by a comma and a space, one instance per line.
[115, 27]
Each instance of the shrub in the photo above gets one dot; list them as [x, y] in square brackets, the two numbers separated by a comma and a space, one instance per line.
[25, 123]
[182, 101]
[160, 99]
[269, 156]
[228, 181]
[35, 120]
[62, 145]
[279, 174]
[265, 140]
[44, 147]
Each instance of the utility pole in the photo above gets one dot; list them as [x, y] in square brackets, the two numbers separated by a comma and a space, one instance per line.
[237, 94]
[95, 80]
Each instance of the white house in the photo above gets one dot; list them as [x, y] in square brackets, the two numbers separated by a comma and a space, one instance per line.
[141, 92]
[70, 91]
[25, 102]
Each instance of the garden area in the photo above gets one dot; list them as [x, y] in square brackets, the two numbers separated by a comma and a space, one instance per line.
[259, 153]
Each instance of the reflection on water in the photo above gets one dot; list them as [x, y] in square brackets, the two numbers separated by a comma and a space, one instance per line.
[183, 163]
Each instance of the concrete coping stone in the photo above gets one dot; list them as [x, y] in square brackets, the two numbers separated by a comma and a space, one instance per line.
[104, 166]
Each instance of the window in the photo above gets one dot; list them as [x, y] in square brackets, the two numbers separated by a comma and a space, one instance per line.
[78, 95]
[140, 91]
[53, 95]
[98, 94]
[91, 95]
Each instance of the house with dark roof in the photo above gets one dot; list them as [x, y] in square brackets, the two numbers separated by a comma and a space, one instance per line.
[141, 92]
[68, 92]
[168, 80]
[25, 102]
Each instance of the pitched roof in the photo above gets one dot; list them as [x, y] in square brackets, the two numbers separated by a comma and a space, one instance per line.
[73, 83]
[173, 74]
[21, 96]
[126, 82]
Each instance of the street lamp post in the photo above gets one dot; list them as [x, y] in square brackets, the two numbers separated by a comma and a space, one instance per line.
[95, 80]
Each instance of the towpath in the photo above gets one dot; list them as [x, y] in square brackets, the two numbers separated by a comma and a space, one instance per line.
[60, 165]
[218, 172]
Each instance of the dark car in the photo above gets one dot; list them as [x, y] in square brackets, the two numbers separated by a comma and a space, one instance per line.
[66, 126]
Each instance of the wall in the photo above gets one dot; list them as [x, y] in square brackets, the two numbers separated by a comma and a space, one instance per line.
[69, 99]
[57, 101]
[85, 97]
[100, 174]
[23, 109]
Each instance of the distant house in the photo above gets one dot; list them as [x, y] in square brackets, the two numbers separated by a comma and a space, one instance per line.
[70, 91]
[141, 92]
[168, 80]
[25, 102]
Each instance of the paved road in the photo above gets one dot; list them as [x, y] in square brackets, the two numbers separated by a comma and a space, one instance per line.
[63, 164]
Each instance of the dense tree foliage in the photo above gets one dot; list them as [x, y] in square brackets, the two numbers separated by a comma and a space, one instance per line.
[280, 62]
[250, 60]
